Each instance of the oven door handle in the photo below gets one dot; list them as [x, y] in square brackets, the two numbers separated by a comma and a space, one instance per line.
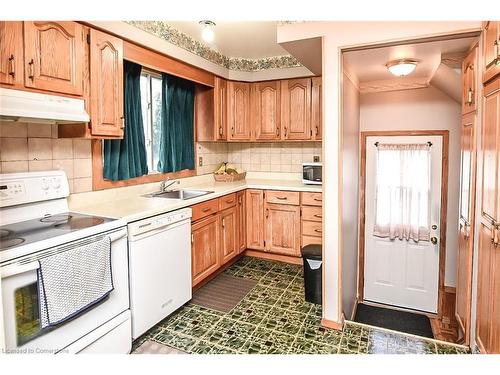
[118, 235]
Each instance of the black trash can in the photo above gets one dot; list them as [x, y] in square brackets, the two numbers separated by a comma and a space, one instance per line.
[313, 266]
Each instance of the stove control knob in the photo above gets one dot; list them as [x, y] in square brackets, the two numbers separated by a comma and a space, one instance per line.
[45, 185]
[56, 183]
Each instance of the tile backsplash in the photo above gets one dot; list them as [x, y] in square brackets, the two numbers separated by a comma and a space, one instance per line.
[258, 157]
[35, 147]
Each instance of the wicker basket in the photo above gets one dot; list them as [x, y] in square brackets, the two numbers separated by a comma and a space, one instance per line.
[229, 177]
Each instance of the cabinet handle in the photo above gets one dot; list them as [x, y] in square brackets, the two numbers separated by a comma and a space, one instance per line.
[230, 201]
[277, 131]
[192, 238]
[123, 122]
[282, 198]
[206, 209]
[223, 223]
[267, 213]
[318, 230]
[319, 216]
[469, 96]
[495, 49]
[31, 70]
[318, 199]
[317, 130]
[232, 131]
[12, 70]
[286, 131]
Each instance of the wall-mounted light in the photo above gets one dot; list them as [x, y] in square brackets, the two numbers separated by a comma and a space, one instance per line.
[207, 30]
[401, 67]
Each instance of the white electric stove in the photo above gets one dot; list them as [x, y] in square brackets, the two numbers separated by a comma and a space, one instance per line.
[35, 222]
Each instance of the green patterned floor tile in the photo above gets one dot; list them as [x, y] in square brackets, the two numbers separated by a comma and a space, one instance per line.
[286, 321]
[196, 324]
[252, 313]
[320, 334]
[265, 341]
[230, 333]
[175, 340]
[293, 301]
[264, 295]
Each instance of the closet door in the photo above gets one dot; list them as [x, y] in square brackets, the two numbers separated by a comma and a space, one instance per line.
[465, 250]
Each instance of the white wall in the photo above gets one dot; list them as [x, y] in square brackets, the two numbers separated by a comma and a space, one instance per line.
[350, 189]
[423, 109]
[336, 36]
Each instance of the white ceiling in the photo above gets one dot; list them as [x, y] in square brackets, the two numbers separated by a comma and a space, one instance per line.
[251, 40]
[369, 65]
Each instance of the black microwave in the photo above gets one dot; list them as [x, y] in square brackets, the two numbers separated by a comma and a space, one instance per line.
[312, 173]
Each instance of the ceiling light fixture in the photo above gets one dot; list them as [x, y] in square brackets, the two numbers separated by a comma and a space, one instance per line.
[207, 30]
[402, 67]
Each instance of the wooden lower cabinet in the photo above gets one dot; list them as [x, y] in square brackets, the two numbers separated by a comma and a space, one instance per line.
[205, 254]
[228, 234]
[282, 229]
[255, 219]
[241, 221]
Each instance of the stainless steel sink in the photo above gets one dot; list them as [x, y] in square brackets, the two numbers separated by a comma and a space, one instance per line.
[179, 194]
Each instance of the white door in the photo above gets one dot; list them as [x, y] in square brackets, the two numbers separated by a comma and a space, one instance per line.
[402, 272]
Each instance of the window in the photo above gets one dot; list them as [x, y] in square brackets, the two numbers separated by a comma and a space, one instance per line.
[151, 115]
[403, 192]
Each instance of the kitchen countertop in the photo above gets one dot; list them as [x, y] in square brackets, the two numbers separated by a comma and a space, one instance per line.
[130, 204]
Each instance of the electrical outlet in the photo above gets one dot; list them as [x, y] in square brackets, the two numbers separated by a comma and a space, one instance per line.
[316, 158]
[200, 161]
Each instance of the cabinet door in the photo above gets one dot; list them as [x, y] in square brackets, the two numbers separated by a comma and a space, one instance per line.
[466, 226]
[106, 85]
[490, 148]
[238, 111]
[205, 248]
[53, 56]
[11, 52]
[296, 109]
[491, 50]
[282, 229]
[220, 110]
[241, 220]
[266, 108]
[469, 82]
[228, 239]
[316, 109]
[255, 219]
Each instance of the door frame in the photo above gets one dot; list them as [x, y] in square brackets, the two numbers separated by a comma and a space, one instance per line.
[444, 206]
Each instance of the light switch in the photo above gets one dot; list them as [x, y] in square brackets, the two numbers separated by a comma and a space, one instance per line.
[200, 161]
[316, 159]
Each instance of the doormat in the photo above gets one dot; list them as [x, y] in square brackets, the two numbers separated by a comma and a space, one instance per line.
[401, 321]
[223, 293]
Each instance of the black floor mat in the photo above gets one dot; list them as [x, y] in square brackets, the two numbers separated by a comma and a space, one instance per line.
[402, 321]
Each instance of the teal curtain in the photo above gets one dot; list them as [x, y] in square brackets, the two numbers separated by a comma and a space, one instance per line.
[177, 125]
[126, 158]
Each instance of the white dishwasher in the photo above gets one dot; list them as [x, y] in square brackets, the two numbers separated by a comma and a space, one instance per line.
[160, 267]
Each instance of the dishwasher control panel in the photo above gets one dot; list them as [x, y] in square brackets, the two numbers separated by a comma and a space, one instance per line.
[158, 222]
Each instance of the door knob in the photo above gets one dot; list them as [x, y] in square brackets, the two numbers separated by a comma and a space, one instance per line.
[434, 240]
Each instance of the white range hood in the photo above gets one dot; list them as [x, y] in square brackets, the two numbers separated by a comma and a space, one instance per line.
[26, 106]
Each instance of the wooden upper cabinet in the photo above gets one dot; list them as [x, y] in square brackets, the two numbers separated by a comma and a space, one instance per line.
[53, 56]
[238, 111]
[266, 110]
[242, 221]
[205, 257]
[228, 234]
[220, 109]
[469, 81]
[11, 53]
[316, 109]
[106, 85]
[296, 109]
[255, 219]
[282, 229]
[491, 50]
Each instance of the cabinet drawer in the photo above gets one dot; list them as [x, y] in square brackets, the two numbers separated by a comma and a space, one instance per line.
[312, 213]
[311, 228]
[310, 240]
[227, 201]
[312, 199]
[204, 209]
[282, 197]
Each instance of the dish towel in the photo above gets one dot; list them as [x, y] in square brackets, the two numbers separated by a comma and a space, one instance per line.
[73, 281]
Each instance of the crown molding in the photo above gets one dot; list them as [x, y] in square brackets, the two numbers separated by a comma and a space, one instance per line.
[393, 85]
[168, 33]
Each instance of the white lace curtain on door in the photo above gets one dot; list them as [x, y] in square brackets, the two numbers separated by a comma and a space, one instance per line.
[402, 197]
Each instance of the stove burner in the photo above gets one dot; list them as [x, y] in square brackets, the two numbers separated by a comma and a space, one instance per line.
[56, 218]
[5, 233]
[80, 223]
[10, 242]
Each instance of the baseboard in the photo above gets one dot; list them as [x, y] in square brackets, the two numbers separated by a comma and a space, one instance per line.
[332, 324]
[270, 256]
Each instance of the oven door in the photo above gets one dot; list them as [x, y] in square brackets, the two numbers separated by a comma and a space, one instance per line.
[21, 304]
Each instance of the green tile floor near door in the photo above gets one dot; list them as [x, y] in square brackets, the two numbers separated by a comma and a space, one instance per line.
[273, 318]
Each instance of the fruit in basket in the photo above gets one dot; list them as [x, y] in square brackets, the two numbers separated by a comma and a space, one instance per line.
[228, 169]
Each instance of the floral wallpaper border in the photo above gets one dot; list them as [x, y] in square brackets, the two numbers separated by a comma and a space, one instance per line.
[163, 30]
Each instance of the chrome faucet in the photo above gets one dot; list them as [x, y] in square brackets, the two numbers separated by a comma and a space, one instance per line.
[167, 183]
